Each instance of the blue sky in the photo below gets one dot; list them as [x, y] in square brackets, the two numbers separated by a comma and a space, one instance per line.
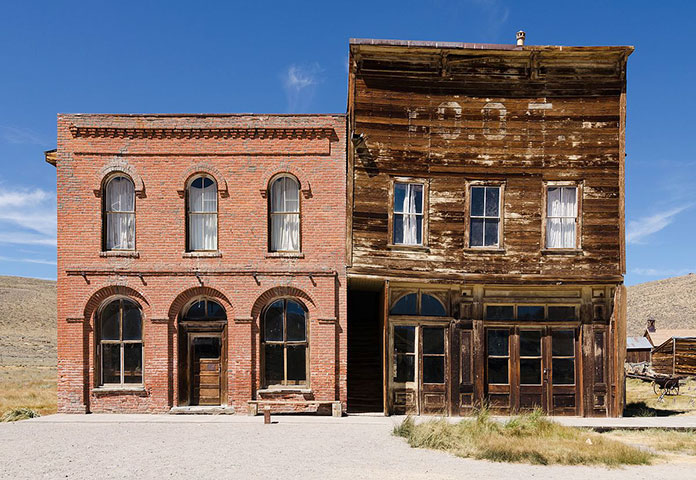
[269, 57]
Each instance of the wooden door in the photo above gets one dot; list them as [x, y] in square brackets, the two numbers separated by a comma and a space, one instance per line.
[206, 370]
[561, 371]
[433, 370]
[404, 360]
[532, 367]
[498, 372]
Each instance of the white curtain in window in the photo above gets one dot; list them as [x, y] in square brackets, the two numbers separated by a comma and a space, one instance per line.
[285, 215]
[120, 214]
[408, 213]
[561, 216]
[203, 214]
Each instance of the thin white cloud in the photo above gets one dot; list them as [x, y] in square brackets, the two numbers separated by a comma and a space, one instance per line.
[496, 14]
[27, 216]
[662, 272]
[299, 82]
[20, 136]
[638, 230]
[28, 260]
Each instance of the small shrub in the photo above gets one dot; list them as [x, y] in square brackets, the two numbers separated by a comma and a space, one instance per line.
[18, 414]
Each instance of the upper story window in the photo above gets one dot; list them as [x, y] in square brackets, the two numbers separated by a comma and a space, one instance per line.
[408, 213]
[202, 215]
[285, 215]
[484, 229]
[119, 214]
[561, 216]
[120, 343]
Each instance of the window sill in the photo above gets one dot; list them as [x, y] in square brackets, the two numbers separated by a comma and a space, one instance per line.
[486, 250]
[408, 248]
[120, 253]
[284, 389]
[562, 251]
[284, 255]
[202, 254]
[138, 389]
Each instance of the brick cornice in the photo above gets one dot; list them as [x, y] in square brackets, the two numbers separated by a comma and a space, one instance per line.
[263, 133]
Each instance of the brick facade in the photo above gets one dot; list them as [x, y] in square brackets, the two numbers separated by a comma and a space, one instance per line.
[160, 153]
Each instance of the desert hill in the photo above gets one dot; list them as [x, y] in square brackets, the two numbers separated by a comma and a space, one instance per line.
[27, 321]
[671, 302]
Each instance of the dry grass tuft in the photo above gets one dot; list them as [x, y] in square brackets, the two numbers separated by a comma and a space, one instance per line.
[19, 414]
[28, 387]
[681, 442]
[529, 438]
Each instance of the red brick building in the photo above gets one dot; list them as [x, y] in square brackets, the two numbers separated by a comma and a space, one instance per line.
[201, 262]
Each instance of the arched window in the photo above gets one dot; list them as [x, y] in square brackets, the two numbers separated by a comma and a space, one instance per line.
[285, 343]
[285, 214]
[119, 214]
[120, 347]
[419, 303]
[205, 309]
[202, 214]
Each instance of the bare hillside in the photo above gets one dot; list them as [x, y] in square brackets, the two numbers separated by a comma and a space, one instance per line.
[672, 302]
[27, 322]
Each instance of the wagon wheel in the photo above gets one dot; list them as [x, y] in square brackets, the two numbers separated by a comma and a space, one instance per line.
[656, 387]
[674, 389]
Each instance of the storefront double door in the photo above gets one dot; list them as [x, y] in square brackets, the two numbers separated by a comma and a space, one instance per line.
[532, 367]
[418, 366]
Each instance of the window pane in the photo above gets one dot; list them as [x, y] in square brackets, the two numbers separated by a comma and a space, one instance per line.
[120, 231]
[404, 339]
[498, 342]
[419, 230]
[554, 233]
[285, 232]
[273, 362]
[530, 313]
[297, 362]
[132, 322]
[196, 311]
[568, 232]
[292, 195]
[563, 343]
[553, 200]
[492, 201]
[110, 321]
[273, 322]
[111, 363]
[476, 234]
[563, 372]
[477, 196]
[406, 305]
[215, 310]
[400, 198]
[433, 340]
[295, 322]
[530, 343]
[498, 370]
[562, 313]
[569, 201]
[431, 306]
[491, 231]
[434, 369]
[133, 363]
[405, 368]
[500, 312]
[530, 371]
[416, 201]
[398, 229]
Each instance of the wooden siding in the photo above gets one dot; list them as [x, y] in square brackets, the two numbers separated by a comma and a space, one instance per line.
[676, 356]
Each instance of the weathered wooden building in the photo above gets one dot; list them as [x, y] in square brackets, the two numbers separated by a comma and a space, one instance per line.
[676, 356]
[486, 244]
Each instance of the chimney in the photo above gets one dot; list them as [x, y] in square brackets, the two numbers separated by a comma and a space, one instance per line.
[651, 325]
[520, 38]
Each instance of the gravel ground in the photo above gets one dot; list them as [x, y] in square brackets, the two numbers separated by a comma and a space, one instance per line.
[197, 447]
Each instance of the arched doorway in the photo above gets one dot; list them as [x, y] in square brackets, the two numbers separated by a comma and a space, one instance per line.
[203, 353]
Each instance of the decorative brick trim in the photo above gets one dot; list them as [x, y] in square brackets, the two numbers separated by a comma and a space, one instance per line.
[118, 164]
[75, 319]
[104, 293]
[327, 321]
[208, 169]
[159, 321]
[202, 133]
[120, 253]
[243, 320]
[276, 292]
[287, 169]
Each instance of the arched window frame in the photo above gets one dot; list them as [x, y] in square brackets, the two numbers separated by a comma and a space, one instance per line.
[190, 214]
[206, 318]
[418, 311]
[106, 212]
[120, 343]
[285, 344]
[272, 213]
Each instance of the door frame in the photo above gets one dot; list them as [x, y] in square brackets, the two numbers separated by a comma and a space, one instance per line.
[417, 384]
[190, 360]
[187, 331]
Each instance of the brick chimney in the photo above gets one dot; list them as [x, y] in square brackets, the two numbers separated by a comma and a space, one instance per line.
[651, 324]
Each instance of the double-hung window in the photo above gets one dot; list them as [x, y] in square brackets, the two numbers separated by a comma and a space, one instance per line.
[484, 229]
[285, 215]
[561, 216]
[202, 214]
[408, 214]
[119, 214]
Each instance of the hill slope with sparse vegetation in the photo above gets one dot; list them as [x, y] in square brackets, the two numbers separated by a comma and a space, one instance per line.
[671, 302]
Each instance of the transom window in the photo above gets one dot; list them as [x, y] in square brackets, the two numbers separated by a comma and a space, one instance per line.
[202, 214]
[561, 216]
[120, 343]
[419, 303]
[205, 309]
[119, 214]
[532, 313]
[484, 230]
[285, 343]
[408, 214]
[285, 215]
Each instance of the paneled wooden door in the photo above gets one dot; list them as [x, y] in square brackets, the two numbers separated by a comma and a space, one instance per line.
[206, 368]
[418, 380]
